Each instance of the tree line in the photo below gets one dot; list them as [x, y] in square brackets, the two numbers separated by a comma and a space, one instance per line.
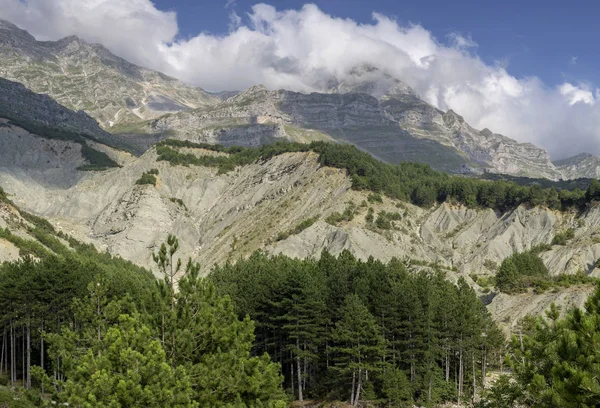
[346, 329]
[411, 182]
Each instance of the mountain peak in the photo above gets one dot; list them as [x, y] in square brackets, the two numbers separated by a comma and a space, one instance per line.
[13, 35]
[452, 118]
[486, 132]
[8, 26]
[115, 92]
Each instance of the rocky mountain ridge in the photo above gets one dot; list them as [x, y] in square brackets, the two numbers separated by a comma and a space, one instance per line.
[397, 127]
[83, 76]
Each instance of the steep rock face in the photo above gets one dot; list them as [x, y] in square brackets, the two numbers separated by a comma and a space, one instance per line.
[19, 103]
[582, 165]
[396, 127]
[44, 161]
[494, 152]
[88, 77]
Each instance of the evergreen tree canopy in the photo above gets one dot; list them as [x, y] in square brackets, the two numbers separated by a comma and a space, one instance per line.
[556, 363]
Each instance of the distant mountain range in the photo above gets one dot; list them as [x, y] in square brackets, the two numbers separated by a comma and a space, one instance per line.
[375, 112]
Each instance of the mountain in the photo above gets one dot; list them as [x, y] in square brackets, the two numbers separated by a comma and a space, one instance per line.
[582, 165]
[377, 113]
[220, 216]
[286, 203]
[396, 127]
[83, 76]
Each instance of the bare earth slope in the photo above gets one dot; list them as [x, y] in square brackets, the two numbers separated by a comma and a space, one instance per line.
[225, 216]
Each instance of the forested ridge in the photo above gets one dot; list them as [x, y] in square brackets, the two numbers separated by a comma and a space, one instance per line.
[411, 182]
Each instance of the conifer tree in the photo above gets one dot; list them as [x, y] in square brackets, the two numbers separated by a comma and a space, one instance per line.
[131, 371]
[359, 345]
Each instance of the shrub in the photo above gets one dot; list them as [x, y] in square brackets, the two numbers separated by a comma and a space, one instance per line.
[520, 271]
[384, 220]
[563, 237]
[297, 229]
[178, 201]
[491, 265]
[147, 178]
[375, 198]
[335, 217]
[369, 216]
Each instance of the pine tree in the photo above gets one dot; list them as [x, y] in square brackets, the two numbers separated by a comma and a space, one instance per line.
[359, 345]
[130, 371]
[214, 346]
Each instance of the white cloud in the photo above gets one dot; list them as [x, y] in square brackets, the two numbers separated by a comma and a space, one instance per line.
[460, 41]
[577, 94]
[306, 49]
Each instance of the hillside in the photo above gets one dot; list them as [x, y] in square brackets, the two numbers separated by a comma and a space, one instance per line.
[287, 204]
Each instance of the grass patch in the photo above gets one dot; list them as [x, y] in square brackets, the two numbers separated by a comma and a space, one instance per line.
[335, 217]
[564, 237]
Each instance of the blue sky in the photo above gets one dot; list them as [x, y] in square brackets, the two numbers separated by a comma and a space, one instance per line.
[554, 40]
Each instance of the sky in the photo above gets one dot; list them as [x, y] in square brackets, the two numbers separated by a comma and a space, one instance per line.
[528, 70]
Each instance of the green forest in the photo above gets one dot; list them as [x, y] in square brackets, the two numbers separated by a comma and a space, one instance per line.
[411, 182]
[87, 329]
[91, 330]
[347, 330]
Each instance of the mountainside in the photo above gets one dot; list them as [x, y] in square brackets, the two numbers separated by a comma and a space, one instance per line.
[287, 202]
[88, 77]
[377, 113]
[396, 127]
[582, 165]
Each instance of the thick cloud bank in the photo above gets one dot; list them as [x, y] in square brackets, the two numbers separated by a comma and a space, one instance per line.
[308, 50]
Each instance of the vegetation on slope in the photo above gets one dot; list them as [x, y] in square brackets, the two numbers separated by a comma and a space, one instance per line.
[114, 336]
[555, 362]
[524, 270]
[413, 182]
[148, 177]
